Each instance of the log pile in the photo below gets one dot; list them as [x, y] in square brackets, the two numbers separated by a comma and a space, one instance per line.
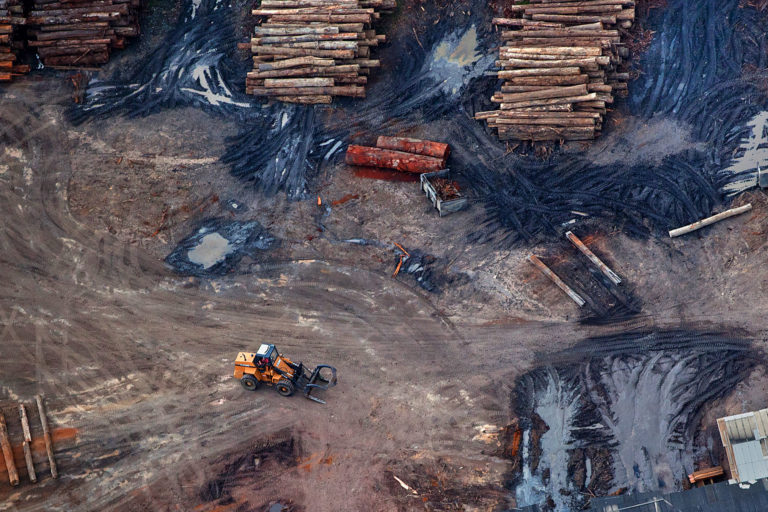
[308, 51]
[81, 32]
[561, 65]
[11, 18]
[401, 154]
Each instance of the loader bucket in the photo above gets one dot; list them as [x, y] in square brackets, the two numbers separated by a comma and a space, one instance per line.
[320, 380]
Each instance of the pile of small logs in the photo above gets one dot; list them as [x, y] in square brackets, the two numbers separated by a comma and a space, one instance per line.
[560, 63]
[11, 17]
[81, 32]
[400, 154]
[308, 51]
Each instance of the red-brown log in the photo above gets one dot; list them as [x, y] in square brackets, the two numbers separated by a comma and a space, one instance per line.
[417, 146]
[390, 159]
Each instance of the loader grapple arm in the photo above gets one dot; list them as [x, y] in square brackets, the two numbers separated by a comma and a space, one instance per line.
[319, 380]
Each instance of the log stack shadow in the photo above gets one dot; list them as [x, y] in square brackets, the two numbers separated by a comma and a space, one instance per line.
[561, 65]
[11, 40]
[309, 51]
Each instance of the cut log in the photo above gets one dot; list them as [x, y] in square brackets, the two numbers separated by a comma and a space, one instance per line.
[390, 159]
[26, 444]
[5, 445]
[710, 220]
[47, 436]
[417, 146]
[298, 82]
[556, 279]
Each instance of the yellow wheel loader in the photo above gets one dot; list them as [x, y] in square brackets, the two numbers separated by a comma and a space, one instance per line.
[267, 366]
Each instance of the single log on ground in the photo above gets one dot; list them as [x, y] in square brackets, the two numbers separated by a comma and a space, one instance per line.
[420, 147]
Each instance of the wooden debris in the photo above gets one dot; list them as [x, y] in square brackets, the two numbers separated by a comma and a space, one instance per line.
[47, 436]
[556, 279]
[710, 220]
[80, 32]
[11, 41]
[309, 51]
[610, 274]
[26, 443]
[559, 58]
[5, 445]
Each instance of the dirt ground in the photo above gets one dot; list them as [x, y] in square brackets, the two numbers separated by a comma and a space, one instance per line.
[138, 360]
[135, 360]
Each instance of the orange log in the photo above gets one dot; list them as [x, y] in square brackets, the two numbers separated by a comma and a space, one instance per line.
[420, 147]
[390, 159]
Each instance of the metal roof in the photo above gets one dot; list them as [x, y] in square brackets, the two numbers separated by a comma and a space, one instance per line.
[719, 497]
[745, 438]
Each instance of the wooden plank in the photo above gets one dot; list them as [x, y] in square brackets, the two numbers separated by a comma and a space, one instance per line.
[5, 444]
[555, 279]
[47, 436]
[27, 440]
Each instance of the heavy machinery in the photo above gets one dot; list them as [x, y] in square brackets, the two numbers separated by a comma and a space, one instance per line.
[268, 366]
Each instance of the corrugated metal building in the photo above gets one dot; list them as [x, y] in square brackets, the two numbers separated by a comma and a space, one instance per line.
[719, 497]
[745, 438]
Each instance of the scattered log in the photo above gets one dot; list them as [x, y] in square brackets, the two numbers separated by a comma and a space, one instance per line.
[47, 436]
[709, 220]
[26, 444]
[5, 445]
[556, 279]
[610, 274]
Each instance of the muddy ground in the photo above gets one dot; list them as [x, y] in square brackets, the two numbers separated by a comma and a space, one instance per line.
[135, 358]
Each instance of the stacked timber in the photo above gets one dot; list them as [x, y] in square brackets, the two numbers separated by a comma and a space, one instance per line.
[400, 154]
[11, 19]
[560, 62]
[81, 32]
[308, 51]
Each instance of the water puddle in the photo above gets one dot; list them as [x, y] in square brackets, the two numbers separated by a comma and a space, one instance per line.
[217, 246]
[212, 249]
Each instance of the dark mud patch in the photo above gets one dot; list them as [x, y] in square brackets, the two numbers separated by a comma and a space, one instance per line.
[263, 463]
[217, 246]
[619, 413]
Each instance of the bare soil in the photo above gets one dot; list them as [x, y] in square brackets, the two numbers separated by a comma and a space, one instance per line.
[135, 361]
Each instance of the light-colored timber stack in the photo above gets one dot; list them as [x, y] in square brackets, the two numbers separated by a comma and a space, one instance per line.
[308, 51]
[560, 62]
[81, 32]
[11, 17]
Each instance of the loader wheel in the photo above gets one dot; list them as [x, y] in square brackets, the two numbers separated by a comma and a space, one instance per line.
[250, 382]
[285, 387]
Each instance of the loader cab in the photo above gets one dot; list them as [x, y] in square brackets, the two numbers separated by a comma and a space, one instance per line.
[266, 351]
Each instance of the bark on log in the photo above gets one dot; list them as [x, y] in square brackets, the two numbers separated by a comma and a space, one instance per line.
[551, 71]
[47, 436]
[710, 220]
[5, 445]
[27, 440]
[390, 159]
[417, 146]
[556, 92]
[298, 82]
